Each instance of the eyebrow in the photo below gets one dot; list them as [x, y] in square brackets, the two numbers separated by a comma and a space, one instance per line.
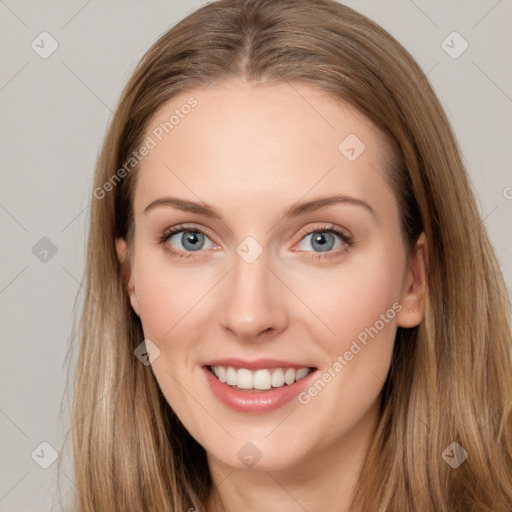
[295, 210]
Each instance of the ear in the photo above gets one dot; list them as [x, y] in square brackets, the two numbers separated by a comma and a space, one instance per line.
[414, 286]
[122, 256]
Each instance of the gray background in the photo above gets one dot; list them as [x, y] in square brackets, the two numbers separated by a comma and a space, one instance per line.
[54, 114]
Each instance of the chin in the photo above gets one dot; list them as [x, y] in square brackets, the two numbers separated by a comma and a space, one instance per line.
[261, 455]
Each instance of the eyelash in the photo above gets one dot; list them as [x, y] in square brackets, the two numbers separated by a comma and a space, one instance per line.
[169, 232]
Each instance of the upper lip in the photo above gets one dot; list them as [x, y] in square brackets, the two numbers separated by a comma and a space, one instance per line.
[256, 363]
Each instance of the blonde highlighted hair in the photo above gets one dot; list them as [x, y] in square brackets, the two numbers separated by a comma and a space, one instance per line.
[450, 378]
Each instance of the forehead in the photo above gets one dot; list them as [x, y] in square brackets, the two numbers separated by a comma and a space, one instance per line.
[240, 143]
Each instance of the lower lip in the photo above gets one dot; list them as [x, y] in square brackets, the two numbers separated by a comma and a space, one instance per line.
[254, 401]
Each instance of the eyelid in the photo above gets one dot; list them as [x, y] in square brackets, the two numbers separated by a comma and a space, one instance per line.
[323, 227]
[179, 228]
[342, 233]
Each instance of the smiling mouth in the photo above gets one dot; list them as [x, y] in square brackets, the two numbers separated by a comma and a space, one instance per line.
[264, 379]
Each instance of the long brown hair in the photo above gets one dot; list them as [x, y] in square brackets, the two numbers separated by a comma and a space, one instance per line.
[451, 377]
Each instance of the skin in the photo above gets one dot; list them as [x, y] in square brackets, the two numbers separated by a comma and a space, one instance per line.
[251, 152]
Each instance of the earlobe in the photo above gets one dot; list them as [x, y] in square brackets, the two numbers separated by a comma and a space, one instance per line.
[414, 286]
[121, 250]
[126, 271]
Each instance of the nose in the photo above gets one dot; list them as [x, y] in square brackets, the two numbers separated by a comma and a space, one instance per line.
[253, 305]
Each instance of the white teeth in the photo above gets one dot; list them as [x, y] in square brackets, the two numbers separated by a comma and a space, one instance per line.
[300, 374]
[230, 375]
[244, 379]
[263, 379]
[289, 376]
[277, 379]
[221, 373]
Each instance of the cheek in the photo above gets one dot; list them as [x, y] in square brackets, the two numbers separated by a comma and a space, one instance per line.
[359, 304]
[353, 298]
[166, 293]
[168, 301]
[159, 304]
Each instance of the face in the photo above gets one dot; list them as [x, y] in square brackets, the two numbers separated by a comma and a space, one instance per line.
[285, 273]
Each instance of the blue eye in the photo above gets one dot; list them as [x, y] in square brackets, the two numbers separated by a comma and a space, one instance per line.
[190, 240]
[324, 240]
[321, 241]
[184, 241]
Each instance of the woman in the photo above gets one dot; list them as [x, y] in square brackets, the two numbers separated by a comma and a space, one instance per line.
[292, 300]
